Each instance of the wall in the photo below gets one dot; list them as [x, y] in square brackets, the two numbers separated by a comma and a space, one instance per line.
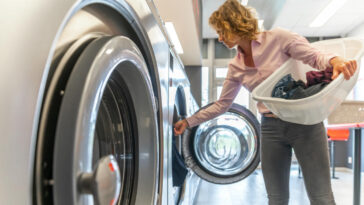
[341, 149]
[351, 146]
[194, 75]
[357, 32]
[347, 112]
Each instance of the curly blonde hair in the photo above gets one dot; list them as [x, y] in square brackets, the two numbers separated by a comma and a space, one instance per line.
[234, 18]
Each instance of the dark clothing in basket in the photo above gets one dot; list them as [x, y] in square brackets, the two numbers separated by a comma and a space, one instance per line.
[288, 88]
[317, 77]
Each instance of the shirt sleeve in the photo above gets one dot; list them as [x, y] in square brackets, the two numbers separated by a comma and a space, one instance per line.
[299, 48]
[229, 91]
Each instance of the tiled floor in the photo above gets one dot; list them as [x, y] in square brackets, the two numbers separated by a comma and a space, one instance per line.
[251, 191]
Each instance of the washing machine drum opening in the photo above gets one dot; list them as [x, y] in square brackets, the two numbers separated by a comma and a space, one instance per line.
[226, 145]
[114, 133]
[225, 149]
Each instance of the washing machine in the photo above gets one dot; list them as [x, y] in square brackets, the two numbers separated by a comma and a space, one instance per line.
[89, 93]
[224, 150]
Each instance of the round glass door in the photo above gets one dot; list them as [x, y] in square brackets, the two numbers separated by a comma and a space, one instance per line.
[226, 148]
[106, 132]
[114, 134]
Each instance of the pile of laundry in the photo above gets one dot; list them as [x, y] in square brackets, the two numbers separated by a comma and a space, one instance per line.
[289, 88]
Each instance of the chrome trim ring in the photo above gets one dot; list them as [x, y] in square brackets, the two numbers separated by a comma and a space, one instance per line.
[225, 145]
[78, 115]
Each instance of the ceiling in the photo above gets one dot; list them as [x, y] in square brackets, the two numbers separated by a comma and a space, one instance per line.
[181, 13]
[294, 15]
[266, 9]
[209, 6]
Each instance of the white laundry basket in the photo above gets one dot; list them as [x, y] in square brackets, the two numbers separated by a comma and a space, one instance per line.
[315, 108]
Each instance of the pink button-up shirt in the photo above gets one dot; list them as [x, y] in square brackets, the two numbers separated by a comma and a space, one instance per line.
[270, 50]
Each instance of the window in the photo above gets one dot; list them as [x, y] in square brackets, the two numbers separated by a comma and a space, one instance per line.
[221, 51]
[214, 74]
[204, 86]
[242, 98]
[204, 48]
[218, 91]
[221, 72]
[359, 86]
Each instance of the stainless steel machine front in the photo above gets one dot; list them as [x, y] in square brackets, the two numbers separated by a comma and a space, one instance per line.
[90, 91]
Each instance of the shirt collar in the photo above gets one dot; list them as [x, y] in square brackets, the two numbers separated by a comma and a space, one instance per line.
[258, 40]
[240, 50]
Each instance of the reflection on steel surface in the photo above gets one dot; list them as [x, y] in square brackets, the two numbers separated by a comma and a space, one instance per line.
[103, 183]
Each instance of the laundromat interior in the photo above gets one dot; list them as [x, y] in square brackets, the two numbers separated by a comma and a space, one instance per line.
[182, 102]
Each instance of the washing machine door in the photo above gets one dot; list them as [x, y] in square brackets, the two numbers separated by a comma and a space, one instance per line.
[225, 149]
[106, 133]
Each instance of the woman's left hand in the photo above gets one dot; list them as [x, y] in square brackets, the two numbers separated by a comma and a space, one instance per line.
[180, 127]
[340, 65]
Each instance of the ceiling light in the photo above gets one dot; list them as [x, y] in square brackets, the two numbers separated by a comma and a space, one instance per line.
[327, 12]
[244, 2]
[260, 24]
[174, 38]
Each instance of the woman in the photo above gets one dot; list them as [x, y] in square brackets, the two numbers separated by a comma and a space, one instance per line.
[259, 55]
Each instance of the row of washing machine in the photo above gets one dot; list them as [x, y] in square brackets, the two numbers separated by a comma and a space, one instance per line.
[89, 93]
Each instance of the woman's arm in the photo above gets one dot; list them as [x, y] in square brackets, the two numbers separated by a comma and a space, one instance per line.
[229, 91]
[299, 48]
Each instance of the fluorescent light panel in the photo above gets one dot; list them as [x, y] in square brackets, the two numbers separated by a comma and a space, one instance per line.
[260, 24]
[174, 38]
[244, 2]
[327, 13]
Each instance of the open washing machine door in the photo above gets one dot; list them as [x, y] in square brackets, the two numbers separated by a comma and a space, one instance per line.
[225, 149]
[98, 140]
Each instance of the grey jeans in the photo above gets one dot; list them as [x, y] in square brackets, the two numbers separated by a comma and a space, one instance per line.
[309, 143]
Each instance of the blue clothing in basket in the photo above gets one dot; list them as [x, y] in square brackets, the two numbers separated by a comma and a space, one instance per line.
[288, 88]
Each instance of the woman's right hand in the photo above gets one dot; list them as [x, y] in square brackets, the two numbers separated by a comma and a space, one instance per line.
[180, 127]
[341, 65]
